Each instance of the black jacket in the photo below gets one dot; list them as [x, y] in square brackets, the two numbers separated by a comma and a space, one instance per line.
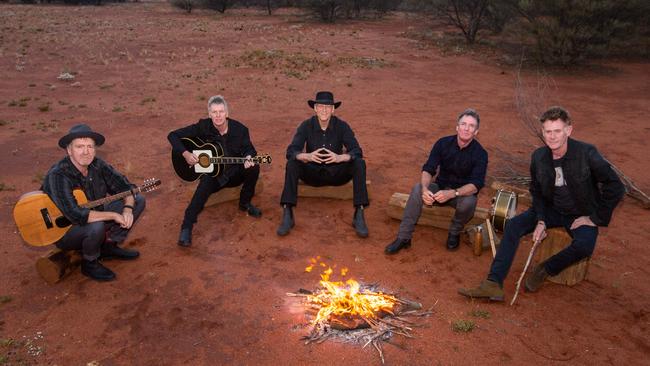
[595, 187]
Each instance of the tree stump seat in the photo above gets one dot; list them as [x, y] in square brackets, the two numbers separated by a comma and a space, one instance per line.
[556, 240]
[342, 192]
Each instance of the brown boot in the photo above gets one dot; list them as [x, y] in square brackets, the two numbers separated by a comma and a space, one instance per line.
[536, 279]
[487, 289]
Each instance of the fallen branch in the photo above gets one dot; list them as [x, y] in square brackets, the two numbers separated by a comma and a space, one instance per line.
[523, 273]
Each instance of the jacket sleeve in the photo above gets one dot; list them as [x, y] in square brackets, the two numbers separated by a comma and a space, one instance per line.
[351, 144]
[247, 145]
[539, 205]
[298, 142]
[175, 136]
[611, 188]
[60, 191]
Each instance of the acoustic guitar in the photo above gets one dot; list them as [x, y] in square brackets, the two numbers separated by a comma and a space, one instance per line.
[41, 223]
[211, 160]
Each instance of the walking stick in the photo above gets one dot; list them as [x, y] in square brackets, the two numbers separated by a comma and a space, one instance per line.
[490, 231]
[523, 273]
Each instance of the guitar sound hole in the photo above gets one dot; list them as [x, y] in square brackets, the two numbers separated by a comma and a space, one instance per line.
[204, 160]
[62, 221]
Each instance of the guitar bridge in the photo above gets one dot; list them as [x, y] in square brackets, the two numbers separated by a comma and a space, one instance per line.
[46, 218]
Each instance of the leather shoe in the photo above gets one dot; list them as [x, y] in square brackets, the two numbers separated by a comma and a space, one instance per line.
[95, 270]
[486, 290]
[110, 250]
[397, 245]
[536, 279]
[185, 239]
[453, 240]
[359, 223]
[251, 210]
[287, 221]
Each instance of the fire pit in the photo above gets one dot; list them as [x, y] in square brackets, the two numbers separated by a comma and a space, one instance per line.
[351, 312]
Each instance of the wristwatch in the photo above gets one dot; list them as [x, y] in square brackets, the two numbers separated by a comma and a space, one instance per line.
[456, 193]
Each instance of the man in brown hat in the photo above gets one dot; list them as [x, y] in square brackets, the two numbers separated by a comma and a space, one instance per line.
[316, 156]
[95, 232]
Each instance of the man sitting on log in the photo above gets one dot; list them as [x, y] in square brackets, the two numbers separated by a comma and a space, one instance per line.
[95, 232]
[461, 163]
[316, 156]
[234, 138]
[572, 186]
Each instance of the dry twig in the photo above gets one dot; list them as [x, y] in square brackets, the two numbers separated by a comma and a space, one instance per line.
[523, 273]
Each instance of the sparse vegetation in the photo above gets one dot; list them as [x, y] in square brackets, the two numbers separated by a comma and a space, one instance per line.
[5, 299]
[118, 109]
[5, 187]
[147, 100]
[462, 326]
[44, 108]
[479, 313]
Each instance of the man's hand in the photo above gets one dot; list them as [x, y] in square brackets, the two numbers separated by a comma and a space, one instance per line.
[248, 163]
[540, 231]
[121, 220]
[330, 157]
[443, 196]
[582, 221]
[127, 215]
[190, 158]
[427, 196]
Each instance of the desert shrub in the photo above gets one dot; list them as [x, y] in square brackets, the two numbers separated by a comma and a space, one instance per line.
[567, 32]
[218, 5]
[466, 15]
[186, 5]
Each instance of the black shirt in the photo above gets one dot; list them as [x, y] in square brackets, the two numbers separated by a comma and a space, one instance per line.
[562, 199]
[310, 137]
[457, 166]
[63, 177]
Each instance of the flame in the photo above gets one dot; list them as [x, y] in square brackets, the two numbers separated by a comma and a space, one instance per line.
[338, 298]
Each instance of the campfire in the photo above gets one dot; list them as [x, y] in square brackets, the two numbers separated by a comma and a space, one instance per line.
[350, 312]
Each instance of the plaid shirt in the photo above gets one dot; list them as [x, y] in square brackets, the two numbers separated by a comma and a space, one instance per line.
[64, 177]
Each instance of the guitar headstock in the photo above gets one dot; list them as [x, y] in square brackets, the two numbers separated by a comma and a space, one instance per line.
[263, 159]
[150, 184]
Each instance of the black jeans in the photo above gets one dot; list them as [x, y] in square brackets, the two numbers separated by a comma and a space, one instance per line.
[582, 245]
[319, 175]
[209, 185]
[90, 237]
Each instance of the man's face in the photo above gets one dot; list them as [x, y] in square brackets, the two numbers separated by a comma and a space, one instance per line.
[323, 111]
[82, 151]
[467, 128]
[218, 114]
[556, 133]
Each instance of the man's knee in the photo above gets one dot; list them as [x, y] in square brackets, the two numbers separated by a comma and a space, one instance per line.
[359, 163]
[417, 190]
[96, 230]
[466, 205]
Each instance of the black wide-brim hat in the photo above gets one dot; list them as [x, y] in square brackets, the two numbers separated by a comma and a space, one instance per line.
[324, 97]
[79, 131]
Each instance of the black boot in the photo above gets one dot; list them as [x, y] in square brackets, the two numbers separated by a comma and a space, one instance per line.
[185, 238]
[287, 221]
[397, 245]
[251, 210]
[359, 223]
[95, 270]
[453, 240]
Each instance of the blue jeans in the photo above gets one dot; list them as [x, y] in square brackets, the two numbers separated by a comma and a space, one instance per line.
[582, 245]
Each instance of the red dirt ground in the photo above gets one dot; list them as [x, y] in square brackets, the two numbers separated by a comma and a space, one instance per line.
[144, 69]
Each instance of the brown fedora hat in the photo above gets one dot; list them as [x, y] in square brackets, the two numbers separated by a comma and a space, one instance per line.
[79, 131]
[324, 97]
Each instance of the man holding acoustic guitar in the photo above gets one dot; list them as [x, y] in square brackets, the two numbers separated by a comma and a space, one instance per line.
[573, 187]
[95, 232]
[198, 153]
[459, 164]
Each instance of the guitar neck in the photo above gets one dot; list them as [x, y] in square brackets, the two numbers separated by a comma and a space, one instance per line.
[110, 199]
[231, 160]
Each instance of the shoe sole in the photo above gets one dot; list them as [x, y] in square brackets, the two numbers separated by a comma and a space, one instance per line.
[500, 298]
[397, 251]
[288, 231]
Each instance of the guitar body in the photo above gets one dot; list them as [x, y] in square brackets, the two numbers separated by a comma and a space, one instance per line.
[39, 221]
[204, 152]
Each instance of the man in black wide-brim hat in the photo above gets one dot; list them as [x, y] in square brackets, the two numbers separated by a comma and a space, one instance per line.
[96, 232]
[316, 157]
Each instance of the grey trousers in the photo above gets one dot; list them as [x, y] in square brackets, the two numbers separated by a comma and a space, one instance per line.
[90, 237]
[464, 205]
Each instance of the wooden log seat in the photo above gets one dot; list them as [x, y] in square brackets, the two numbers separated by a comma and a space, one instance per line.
[342, 192]
[556, 240]
[228, 193]
[436, 216]
[57, 264]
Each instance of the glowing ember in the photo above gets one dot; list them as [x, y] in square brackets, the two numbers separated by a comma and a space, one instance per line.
[346, 299]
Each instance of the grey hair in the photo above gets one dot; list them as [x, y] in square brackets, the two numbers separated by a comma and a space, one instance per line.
[217, 99]
[472, 113]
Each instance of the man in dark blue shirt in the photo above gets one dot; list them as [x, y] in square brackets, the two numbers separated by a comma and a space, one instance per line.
[95, 232]
[316, 156]
[233, 136]
[459, 164]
